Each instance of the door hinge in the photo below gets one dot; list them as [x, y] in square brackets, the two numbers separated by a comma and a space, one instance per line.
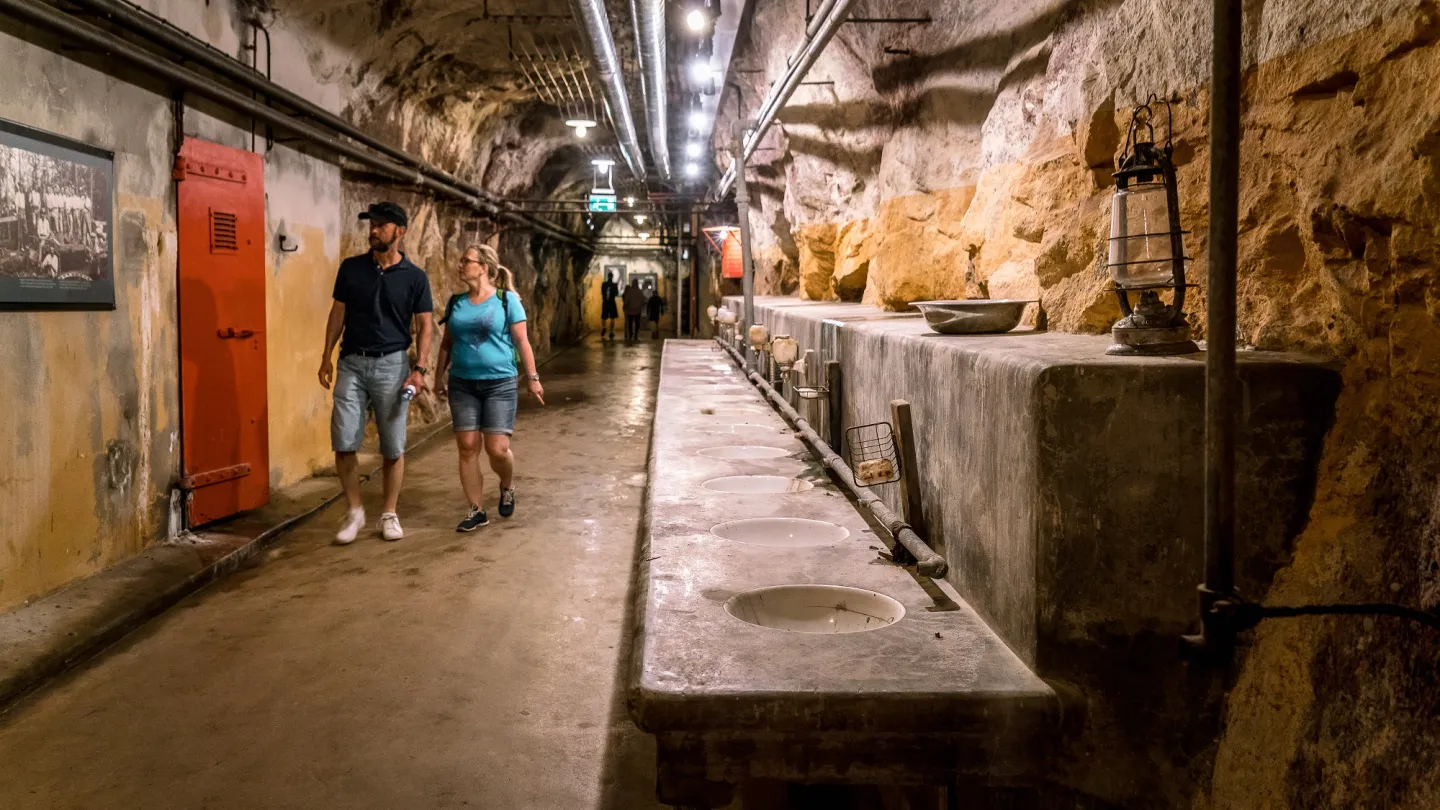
[205, 479]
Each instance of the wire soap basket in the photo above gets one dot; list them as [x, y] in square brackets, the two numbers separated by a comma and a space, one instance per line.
[812, 391]
[872, 454]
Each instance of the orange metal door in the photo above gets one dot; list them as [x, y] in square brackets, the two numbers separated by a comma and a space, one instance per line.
[225, 426]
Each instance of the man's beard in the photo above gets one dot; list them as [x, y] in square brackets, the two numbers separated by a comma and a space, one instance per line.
[379, 245]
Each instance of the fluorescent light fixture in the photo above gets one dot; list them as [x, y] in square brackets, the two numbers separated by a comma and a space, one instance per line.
[581, 125]
[691, 169]
[696, 19]
[692, 149]
[697, 120]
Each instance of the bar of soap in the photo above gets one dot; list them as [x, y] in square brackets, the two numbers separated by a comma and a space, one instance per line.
[874, 471]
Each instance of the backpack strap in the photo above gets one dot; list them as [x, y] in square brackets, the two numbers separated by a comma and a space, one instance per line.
[450, 307]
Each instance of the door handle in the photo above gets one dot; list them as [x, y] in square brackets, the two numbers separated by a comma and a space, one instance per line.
[234, 334]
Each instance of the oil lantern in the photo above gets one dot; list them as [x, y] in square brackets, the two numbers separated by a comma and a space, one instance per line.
[1147, 251]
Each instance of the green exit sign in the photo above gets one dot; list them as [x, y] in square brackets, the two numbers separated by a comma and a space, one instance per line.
[603, 203]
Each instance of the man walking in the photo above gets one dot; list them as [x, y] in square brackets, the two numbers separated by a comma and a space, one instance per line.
[609, 313]
[634, 305]
[377, 295]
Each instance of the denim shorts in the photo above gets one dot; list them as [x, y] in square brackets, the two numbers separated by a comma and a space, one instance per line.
[484, 405]
[370, 384]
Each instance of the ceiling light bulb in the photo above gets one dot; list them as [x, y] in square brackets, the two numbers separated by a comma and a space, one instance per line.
[644, 235]
[697, 119]
[691, 170]
[696, 20]
[640, 219]
[602, 163]
[630, 201]
[700, 70]
[692, 150]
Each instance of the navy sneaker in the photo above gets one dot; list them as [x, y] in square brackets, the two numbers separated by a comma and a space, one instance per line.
[474, 521]
[507, 502]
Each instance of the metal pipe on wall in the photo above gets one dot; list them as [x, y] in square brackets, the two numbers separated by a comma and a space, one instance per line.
[747, 258]
[782, 91]
[651, 26]
[594, 23]
[168, 36]
[928, 563]
[1221, 385]
[47, 17]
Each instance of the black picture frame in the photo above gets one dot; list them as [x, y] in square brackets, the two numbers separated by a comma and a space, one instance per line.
[57, 222]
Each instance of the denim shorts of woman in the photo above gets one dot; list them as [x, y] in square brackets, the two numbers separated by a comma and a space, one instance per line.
[484, 405]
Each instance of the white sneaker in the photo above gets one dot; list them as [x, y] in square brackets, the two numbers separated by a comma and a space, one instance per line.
[350, 527]
[390, 526]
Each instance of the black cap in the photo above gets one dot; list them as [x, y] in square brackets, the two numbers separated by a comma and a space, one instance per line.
[386, 212]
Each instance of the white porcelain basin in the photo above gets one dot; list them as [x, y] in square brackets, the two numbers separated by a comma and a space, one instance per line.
[757, 484]
[744, 452]
[815, 608]
[738, 427]
[782, 532]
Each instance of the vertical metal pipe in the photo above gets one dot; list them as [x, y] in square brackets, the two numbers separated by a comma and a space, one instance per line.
[747, 260]
[1220, 380]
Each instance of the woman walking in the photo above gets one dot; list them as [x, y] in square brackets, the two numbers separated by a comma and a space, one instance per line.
[484, 339]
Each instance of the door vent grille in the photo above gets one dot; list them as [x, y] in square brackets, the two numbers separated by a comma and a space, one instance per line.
[224, 232]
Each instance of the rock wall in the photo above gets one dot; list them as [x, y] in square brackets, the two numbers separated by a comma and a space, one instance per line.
[972, 157]
[93, 436]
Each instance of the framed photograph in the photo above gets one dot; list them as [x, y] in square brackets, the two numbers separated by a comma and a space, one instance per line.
[56, 222]
[619, 271]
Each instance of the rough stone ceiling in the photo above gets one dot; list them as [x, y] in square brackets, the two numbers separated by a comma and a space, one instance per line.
[458, 62]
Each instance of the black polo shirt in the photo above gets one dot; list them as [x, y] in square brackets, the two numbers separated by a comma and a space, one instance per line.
[379, 304]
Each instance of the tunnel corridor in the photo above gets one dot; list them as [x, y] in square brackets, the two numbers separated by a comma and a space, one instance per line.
[913, 405]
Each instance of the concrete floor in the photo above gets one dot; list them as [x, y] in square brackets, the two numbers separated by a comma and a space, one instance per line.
[443, 671]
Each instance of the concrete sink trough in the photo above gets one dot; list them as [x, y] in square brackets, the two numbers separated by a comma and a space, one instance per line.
[758, 485]
[749, 662]
[781, 532]
[826, 609]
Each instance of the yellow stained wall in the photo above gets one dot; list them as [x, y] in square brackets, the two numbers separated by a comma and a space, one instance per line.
[298, 299]
[595, 276]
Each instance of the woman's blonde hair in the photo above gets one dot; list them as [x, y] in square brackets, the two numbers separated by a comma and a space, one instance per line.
[499, 274]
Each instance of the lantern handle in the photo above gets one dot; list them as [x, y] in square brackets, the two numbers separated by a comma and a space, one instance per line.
[1137, 121]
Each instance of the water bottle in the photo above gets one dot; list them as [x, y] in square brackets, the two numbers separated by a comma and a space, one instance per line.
[408, 393]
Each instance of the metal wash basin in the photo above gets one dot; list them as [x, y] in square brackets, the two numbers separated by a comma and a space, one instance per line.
[781, 532]
[828, 609]
[977, 316]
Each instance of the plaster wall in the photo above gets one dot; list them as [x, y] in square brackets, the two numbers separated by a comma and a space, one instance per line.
[93, 420]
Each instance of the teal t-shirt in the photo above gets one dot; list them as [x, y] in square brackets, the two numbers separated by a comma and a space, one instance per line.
[482, 348]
